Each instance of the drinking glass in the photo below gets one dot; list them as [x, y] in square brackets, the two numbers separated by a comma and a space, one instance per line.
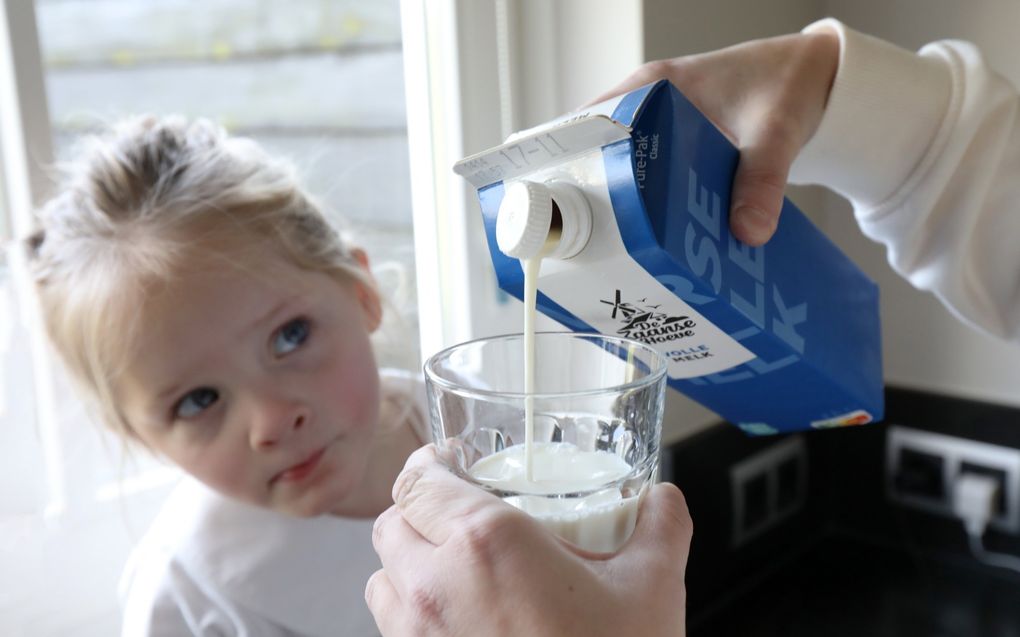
[597, 412]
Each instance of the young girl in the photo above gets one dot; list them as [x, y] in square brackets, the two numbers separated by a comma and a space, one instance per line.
[212, 315]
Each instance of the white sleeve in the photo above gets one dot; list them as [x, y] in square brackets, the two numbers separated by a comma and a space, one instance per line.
[155, 601]
[926, 147]
[162, 599]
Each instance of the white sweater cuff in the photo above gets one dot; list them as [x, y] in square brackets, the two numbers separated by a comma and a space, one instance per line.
[885, 107]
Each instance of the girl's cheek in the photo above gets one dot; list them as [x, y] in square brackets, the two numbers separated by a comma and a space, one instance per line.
[351, 374]
[215, 465]
[362, 389]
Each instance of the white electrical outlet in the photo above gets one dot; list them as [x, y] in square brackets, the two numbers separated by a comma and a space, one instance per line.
[767, 488]
[957, 455]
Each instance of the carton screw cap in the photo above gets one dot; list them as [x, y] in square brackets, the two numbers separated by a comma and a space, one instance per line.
[523, 220]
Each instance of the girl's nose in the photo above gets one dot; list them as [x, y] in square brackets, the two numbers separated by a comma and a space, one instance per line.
[275, 420]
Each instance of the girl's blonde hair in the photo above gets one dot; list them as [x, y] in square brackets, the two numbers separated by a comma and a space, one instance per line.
[139, 201]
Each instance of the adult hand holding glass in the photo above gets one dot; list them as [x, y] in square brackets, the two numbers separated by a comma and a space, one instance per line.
[768, 97]
[460, 561]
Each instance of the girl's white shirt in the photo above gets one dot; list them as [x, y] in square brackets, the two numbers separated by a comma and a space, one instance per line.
[212, 566]
[927, 149]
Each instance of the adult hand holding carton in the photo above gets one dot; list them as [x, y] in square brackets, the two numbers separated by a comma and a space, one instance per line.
[767, 96]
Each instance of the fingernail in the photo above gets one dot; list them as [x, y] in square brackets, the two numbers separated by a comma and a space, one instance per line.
[751, 225]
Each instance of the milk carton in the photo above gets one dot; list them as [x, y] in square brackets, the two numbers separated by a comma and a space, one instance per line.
[778, 338]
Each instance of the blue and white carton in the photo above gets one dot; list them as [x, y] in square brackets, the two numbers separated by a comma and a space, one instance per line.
[778, 338]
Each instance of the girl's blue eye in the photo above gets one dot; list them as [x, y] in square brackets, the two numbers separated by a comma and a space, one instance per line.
[195, 402]
[289, 337]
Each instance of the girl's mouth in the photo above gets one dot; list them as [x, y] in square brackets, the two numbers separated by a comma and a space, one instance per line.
[301, 470]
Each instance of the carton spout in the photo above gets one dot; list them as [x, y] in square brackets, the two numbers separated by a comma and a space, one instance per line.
[549, 220]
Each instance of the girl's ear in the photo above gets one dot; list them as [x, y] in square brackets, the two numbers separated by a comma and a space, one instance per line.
[368, 296]
[361, 257]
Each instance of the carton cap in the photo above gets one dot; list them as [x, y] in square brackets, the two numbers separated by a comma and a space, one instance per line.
[551, 219]
[524, 219]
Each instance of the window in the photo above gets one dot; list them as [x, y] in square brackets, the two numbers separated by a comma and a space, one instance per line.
[318, 81]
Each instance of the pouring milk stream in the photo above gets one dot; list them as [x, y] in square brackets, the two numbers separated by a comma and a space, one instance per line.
[532, 226]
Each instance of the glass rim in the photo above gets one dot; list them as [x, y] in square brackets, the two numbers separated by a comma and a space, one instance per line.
[650, 379]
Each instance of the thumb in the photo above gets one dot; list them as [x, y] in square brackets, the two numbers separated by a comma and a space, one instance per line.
[664, 528]
[758, 189]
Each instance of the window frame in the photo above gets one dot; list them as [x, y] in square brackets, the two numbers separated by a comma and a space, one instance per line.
[26, 147]
[458, 105]
[443, 120]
